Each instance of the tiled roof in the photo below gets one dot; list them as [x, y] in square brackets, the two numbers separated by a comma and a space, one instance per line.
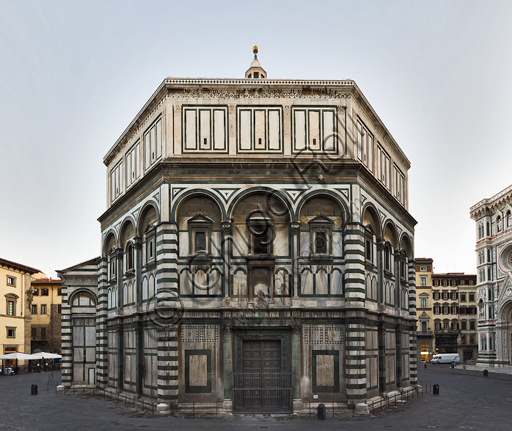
[18, 266]
[47, 281]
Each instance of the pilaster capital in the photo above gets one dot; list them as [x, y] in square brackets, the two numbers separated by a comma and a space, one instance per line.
[295, 227]
[226, 227]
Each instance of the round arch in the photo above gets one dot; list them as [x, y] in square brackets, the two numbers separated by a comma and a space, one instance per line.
[389, 233]
[197, 192]
[370, 216]
[139, 228]
[265, 190]
[83, 290]
[111, 240]
[406, 245]
[328, 193]
[125, 232]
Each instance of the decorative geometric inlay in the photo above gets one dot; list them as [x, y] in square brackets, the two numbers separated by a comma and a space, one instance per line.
[156, 196]
[294, 193]
[136, 213]
[323, 335]
[382, 216]
[363, 199]
[200, 334]
[226, 193]
[344, 192]
[175, 191]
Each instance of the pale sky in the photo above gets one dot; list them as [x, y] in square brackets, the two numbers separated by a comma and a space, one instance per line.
[74, 74]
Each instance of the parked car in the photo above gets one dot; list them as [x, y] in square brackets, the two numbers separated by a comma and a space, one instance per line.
[445, 358]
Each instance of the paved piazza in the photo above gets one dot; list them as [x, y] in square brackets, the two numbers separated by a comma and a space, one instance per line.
[466, 401]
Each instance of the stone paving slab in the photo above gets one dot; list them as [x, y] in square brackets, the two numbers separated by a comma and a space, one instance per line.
[467, 401]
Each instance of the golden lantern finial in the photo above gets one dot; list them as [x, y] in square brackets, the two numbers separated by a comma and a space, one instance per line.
[255, 50]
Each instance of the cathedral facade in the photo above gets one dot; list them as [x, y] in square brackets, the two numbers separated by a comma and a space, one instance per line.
[493, 222]
[257, 252]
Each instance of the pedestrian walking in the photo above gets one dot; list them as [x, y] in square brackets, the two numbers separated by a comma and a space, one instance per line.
[453, 366]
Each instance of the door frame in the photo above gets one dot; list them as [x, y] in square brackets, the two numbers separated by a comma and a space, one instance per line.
[283, 335]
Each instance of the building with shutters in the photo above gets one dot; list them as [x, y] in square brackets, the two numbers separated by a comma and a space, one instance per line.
[15, 321]
[425, 340]
[45, 311]
[493, 229]
[257, 252]
[454, 313]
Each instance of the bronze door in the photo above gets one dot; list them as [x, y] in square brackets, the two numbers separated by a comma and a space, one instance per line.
[262, 386]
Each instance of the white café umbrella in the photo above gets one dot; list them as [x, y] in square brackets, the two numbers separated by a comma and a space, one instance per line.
[46, 355]
[20, 356]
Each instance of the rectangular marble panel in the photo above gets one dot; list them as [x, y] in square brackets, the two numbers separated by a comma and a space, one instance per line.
[245, 130]
[274, 127]
[185, 283]
[158, 141]
[216, 244]
[198, 371]
[328, 130]
[300, 130]
[325, 370]
[219, 130]
[204, 129]
[183, 240]
[305, 245]
[314, 130]
[337, 244]
[190, 130]
[259, 129]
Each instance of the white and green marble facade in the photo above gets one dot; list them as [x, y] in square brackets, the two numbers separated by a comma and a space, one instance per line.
[204, 163]
[493, 223]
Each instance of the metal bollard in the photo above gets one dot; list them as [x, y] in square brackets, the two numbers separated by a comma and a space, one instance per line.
[486, 373]
[33, 390]
[321, 412]
[435, 389]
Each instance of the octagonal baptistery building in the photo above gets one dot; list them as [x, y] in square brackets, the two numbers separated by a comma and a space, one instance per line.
[257, 251]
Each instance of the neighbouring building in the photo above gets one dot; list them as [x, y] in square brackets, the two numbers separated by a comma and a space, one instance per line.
[257, 252]
[446, 312]
[493, 230]
[45, 309]
[455, 314]
[424, 307]
[15, 280]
